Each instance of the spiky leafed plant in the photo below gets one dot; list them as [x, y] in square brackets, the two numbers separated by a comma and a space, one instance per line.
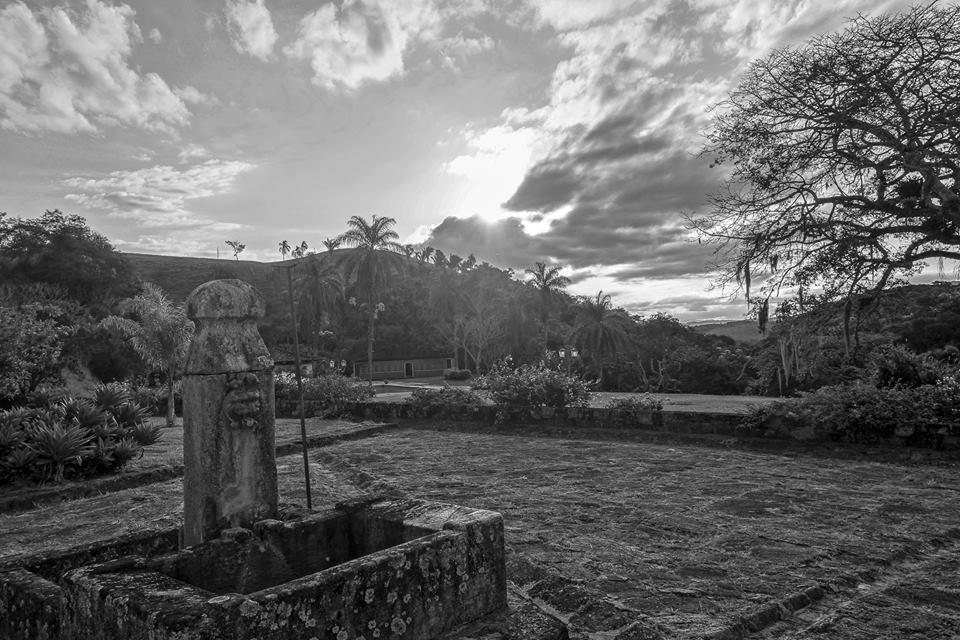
[284, 248]
[549, 282]
[159, 331]
[374, 259]
[58, 445]
[600, 331]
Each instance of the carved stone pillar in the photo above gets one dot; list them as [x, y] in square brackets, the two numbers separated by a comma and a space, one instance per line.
[230, 471]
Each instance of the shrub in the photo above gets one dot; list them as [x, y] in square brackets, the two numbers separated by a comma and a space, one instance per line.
[643, 402]
[324, 395]
[456, 374]
[532, 385]
[445, 401]
[895, 365]
[863, 413]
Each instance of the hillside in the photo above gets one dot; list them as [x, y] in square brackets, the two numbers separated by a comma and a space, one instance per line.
[178, 275]
[739, 330]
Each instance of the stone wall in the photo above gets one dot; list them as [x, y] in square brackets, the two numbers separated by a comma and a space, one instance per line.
[685, 422]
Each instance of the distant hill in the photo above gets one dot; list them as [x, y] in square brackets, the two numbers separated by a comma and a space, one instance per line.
[178, 275]
[739, 330]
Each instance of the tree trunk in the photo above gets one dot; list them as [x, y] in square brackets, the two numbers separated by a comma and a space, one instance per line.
[171, 413]
[371, 316]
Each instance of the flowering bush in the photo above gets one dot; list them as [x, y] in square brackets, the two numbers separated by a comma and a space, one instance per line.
[323, 395]
[72, 437]
[532, 385]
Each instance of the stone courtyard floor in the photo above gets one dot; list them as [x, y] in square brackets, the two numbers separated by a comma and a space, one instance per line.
[631, 540]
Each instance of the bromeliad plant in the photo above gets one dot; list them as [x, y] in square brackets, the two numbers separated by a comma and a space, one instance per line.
[73, 437]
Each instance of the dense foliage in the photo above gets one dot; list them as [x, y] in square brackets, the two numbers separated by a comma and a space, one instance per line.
[532, 385]
[864, 413]
[445, 400]
[57, 438]
[323, 395]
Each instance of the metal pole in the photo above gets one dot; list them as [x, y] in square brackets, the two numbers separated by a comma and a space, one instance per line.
[296, 359]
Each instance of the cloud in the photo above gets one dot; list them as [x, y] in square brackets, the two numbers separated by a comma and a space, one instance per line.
[192, 152]
[155, 36]
[192, 95]
[251, 28]
[361, 42]
[157, 196]
[67, 71]
[502, 242]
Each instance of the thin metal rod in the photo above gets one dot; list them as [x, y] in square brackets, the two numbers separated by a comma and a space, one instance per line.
[296, 359]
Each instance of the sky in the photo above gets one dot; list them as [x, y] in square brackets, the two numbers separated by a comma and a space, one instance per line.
[566, 132]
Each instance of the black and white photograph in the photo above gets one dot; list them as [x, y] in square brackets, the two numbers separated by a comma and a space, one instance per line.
[479, 319]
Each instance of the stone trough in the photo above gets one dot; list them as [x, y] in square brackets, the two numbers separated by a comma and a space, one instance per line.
[407, 569]
[365, 570]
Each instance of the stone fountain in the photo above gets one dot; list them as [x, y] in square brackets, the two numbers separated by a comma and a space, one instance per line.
[369, 569]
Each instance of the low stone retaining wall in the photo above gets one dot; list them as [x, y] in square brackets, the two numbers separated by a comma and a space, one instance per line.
[694, 423]
[683, 422]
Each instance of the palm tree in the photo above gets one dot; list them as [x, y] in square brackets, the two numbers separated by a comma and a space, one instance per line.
[319, 293]
[600, 331]
[332, 244]
[373, 260]
[284, 248]
[548, 282]
[237, 247]
[159, 332]
[425, 253]
[301, 250]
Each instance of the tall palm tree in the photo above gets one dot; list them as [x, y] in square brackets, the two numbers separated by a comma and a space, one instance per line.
[319, 292]
[374, 259]
[284, 249]
[159, 332]
[600, 331]
[548, 282]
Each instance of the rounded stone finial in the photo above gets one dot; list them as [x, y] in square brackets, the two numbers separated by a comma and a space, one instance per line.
[219, 299]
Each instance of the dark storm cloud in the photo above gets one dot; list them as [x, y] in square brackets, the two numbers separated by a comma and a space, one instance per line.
[501, 242]
[626, 184]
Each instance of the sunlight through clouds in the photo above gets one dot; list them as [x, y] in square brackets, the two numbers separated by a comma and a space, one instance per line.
[491, 171]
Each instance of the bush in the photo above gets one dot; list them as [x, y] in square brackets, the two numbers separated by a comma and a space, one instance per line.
[643, 402]
[532, 385]
[896, 365]
[72, 437]
[444, 401]
[456, 374]
[863, 413]
[324, 395]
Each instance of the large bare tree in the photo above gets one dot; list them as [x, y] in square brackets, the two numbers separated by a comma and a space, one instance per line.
[843, 159]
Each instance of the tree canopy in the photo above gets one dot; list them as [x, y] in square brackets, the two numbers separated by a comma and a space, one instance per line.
[844, 158]
[61, 250]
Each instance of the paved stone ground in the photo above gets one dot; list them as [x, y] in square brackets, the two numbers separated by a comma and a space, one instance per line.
[631, 540]
[698, 538]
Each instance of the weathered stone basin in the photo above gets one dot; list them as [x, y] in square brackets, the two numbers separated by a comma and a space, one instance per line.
[389, 569]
